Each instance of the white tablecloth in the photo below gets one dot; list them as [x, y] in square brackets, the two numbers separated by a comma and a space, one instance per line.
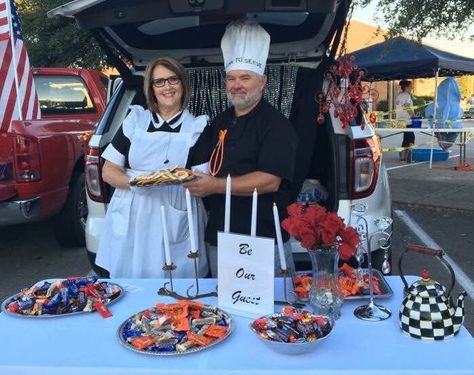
[88, 344]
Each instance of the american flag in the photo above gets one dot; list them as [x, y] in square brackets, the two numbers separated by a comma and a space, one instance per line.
[10, 102]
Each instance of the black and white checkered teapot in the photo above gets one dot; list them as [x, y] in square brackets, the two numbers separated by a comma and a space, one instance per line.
[427, 311]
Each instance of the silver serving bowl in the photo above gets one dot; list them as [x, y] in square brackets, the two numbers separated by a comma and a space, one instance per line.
[292, 348]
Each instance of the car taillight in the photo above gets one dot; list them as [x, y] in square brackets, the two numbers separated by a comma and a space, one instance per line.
[365, 155]
[93, 174]
[27, 159]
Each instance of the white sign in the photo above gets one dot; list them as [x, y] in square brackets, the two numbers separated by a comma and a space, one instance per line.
[245, 267]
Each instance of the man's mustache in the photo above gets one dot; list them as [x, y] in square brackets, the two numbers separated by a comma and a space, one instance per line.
[238, 91]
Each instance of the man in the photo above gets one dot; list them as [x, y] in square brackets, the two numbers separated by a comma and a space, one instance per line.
[255, 144]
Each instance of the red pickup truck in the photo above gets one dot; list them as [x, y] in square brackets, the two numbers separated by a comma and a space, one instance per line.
[42, 161]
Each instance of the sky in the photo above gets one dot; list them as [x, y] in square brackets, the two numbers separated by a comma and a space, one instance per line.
[369, 13]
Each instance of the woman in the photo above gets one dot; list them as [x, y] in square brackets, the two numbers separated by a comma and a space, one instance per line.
[404, 111]
[163, 136]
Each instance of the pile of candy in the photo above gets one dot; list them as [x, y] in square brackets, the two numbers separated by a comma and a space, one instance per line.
[178, 327]
[75, 294]
[293, 326]
[350, 283]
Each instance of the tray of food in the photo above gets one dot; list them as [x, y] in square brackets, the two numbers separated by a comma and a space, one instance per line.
[174, 329]
[171, 176]
[62, 297]
[349, 283]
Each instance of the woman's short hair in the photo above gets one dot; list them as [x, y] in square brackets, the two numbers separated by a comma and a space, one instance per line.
[178, 69]
[404, 84]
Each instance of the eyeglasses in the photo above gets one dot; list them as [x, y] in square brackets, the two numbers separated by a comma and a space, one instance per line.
[160, 82]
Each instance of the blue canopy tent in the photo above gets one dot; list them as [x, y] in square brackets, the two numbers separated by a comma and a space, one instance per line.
[400, 58]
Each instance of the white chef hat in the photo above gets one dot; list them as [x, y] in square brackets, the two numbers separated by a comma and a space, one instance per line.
[245, 46]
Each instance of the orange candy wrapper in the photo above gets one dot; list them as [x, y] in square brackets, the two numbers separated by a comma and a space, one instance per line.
[215, 331]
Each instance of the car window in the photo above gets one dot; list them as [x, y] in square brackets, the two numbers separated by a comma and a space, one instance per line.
[63, 95]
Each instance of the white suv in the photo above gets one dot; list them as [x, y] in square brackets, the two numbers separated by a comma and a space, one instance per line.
[347, 162]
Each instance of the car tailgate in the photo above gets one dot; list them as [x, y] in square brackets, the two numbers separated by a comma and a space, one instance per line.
[7, 183]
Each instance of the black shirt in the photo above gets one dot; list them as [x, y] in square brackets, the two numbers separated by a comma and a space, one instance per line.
[198, 154]
[262, 140]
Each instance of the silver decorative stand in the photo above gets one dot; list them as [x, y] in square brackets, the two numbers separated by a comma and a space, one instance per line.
[372, 311]
[164, 291]
[286, 300]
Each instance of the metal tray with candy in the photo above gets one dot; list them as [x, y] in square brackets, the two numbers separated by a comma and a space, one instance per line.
[173, 329]
[348, 283]
[61, 297]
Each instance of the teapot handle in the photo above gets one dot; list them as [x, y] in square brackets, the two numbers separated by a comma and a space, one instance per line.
[427, 251]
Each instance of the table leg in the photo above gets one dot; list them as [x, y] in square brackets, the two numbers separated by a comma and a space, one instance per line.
[464, 141]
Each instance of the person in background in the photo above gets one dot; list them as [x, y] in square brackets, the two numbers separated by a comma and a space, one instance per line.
[258, 145]
[404, 111]
[164, 135]
[448, 112]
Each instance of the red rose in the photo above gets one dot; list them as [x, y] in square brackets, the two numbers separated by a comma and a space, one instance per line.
[334, 221]
[316, 214]
[350, 236]
[308, 238]
[288, 225]
[346, 251]
[295, 209]
[328, 235]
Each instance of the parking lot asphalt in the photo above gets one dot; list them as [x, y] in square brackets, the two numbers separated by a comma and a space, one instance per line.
[440, 202]
[444, 185]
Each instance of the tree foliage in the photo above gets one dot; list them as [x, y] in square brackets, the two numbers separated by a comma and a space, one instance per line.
[421, 18]
[56, 42]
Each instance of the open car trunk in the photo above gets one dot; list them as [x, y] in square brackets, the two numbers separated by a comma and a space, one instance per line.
[190, 30]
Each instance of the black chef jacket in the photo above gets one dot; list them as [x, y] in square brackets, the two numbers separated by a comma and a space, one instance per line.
[262, 140]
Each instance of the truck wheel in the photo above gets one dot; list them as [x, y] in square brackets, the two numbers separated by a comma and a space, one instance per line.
[70, 223]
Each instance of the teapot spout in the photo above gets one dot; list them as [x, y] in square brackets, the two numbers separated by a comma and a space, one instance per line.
[458, 317]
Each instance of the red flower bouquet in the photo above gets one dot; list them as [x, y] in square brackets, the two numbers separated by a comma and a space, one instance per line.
[316, 228]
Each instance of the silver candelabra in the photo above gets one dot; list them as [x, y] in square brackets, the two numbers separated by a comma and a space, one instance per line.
[372, 311]
[164, 291]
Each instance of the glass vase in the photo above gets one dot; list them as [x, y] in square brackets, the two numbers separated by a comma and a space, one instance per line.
[325, 296]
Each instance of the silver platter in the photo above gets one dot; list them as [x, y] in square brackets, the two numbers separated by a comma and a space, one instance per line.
[123, 341]
[10, 299]
[384, 287]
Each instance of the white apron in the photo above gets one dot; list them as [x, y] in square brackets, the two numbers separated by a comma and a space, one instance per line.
[132, 240]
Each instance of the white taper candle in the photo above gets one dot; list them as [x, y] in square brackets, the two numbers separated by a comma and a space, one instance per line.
[281, 251]
[253, 222]
[227, 204]
[165, 237]
[189, 208]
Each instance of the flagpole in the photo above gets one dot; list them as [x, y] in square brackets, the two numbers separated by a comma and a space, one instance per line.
[15, 72]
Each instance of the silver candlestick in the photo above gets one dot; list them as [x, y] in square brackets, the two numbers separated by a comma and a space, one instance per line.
[372, 311]
[164, 291]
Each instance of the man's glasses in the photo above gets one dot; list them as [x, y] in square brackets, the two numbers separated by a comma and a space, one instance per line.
[160, 82]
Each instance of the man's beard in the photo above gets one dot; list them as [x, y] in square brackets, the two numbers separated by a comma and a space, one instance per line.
[244, 102]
